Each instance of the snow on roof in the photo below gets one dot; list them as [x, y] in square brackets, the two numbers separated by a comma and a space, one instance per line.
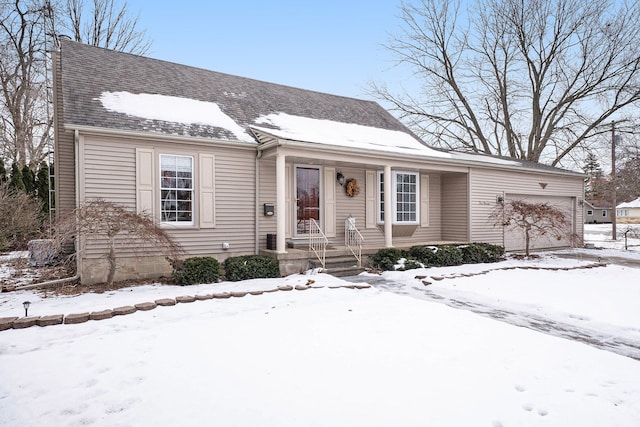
[476, 157]
[632, 204]
[351, 135]
[172, 109]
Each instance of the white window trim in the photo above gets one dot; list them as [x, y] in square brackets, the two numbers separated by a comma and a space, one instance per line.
[394, 197]
[178, 224]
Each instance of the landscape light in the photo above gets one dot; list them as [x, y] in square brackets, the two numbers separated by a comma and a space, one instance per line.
[26, 305]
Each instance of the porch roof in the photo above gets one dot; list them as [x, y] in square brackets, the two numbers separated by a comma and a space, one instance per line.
[331, 140]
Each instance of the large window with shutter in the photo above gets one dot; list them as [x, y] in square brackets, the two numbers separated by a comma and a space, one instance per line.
[176, 189]
[405, 187]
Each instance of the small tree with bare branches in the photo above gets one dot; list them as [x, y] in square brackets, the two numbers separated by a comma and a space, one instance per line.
[116, 227]
[534, 219]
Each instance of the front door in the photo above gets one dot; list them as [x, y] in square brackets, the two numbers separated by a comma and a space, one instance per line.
[307, 197]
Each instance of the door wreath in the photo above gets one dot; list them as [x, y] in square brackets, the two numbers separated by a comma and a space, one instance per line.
[351, 187]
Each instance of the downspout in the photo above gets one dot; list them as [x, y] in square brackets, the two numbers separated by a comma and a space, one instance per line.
[257, 197]
[76, 241]
[48, 283]
[76, 140]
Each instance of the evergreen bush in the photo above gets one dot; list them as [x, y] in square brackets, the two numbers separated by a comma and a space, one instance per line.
[437, 256]
[411, 264]
[386, 259]
[448, 255]
[251, 267]
[481, 252]
[196, 270]
[425, 254]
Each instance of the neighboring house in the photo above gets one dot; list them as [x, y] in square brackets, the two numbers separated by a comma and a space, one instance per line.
[596, 213]
[629, 212]
[230, 165]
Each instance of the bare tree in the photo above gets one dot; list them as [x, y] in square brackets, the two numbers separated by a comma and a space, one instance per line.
[105, 23]
[24, 124]
[28, 28]
[529, 80]
[105, 224]
[628, 175]
[534, 219]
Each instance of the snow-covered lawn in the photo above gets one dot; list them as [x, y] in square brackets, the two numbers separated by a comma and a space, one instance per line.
[331, 356]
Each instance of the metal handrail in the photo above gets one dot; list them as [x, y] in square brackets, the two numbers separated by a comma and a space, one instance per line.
[353, 239]
[317, 241]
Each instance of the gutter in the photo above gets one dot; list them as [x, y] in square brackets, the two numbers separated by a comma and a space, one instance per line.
[93, 130]
[514, 165]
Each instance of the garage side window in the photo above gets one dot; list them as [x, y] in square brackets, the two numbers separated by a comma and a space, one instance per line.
[176, 189]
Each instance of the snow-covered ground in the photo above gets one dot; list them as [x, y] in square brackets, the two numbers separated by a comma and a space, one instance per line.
[332, 356]
[600, 236]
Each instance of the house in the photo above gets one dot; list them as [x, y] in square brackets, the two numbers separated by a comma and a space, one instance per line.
[629, 212]
[232, 166]
[596, 212]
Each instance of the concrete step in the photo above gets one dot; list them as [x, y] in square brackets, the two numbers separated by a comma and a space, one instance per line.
[335, 262]
[344, 271]
[339, 266]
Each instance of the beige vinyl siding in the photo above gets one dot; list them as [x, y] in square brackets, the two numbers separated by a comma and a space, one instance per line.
[487, 184]
[455, 209]
[354, 206]
[64, 152]
[110, 173]
[267, 195]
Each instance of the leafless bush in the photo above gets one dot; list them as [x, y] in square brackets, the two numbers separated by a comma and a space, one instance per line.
[535, 219]
[20, 218]
[113, 228]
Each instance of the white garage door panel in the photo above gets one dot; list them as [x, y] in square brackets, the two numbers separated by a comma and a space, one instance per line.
[514, 236]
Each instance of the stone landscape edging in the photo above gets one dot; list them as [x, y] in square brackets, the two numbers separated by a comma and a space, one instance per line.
[15, 322]
[523, 267]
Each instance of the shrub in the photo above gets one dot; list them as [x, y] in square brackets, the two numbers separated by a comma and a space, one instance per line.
[494, 252]
[411, 264]
[448, 255]
[196, 270]
[386, 259]
[20, 219]
[251, 267]
[425, 254]
[437, 256]
[481, 252]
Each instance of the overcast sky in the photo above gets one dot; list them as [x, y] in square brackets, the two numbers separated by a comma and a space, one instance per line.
[332, 46]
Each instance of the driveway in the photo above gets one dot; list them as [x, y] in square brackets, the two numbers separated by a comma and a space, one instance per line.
[625, 346]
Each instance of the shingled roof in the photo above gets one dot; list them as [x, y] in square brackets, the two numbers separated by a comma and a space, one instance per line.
[89, 72]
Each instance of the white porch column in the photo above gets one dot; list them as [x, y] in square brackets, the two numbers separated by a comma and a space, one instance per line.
[388, 209]
[281, 215]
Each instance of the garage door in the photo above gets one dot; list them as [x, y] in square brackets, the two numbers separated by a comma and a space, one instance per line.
[514, 237]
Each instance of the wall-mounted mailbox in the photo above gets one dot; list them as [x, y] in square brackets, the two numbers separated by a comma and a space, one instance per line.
[269, 209]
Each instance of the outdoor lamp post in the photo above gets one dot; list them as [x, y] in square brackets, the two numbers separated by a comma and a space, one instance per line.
[26, 305]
